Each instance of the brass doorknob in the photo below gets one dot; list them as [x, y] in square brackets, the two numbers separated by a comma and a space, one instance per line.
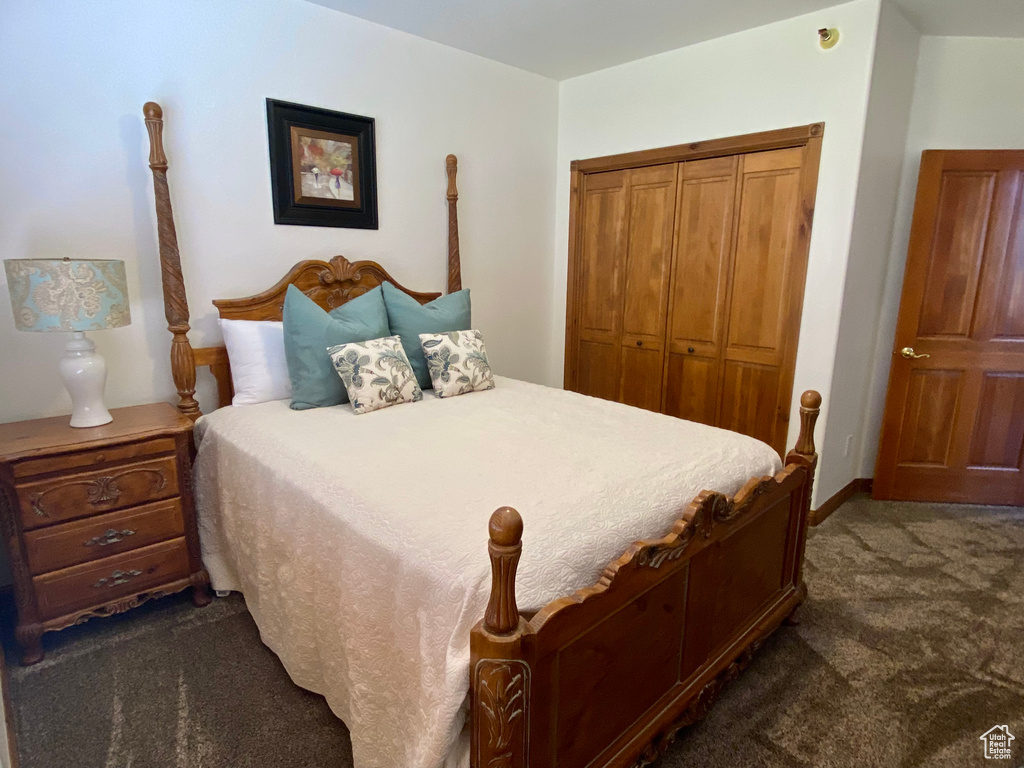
[910, 354]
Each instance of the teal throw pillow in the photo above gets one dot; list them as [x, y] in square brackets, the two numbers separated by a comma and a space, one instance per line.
[408, 319]
[309, 331]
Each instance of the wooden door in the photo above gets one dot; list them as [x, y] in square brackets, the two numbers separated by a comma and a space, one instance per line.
[765, 296]
[700, 271]
[954, 418]
[601, 273]
[686, 277]
[652, 196]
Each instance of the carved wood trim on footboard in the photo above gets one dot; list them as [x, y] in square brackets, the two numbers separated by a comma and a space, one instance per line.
[607, 676]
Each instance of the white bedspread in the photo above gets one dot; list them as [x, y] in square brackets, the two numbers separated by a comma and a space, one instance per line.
[359, 542]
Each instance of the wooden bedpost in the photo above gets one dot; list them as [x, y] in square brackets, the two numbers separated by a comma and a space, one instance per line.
[454, 264]
[183, 363]
[500, 678]
[805, 452]
[505, 547]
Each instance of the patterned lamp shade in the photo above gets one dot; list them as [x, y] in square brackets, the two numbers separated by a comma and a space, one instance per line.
[68, 294]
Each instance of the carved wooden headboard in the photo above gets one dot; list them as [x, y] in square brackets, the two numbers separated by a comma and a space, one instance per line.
[329, 284]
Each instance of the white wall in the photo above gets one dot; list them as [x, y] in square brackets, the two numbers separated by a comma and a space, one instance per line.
[969, 94]
[775, 76]
[74, 177]
[885, 135]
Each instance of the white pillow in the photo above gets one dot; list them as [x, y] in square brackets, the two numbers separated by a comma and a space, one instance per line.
[259, 371]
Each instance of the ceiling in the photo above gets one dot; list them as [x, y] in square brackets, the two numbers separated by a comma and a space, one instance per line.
[565, 38]
[966, 18]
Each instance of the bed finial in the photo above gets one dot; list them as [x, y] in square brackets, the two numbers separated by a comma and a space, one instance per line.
[805, 453]
[183, 363]
[155, 125]
[454, 264]
[505, 547]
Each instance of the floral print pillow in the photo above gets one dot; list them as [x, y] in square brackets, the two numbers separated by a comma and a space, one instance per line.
[457, 362]
[376, 373]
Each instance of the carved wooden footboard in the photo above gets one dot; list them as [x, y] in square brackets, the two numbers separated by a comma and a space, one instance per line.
[607, 676]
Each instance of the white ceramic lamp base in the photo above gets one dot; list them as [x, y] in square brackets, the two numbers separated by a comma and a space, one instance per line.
[85, 375]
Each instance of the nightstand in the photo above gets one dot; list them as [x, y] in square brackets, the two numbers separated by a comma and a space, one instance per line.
[97, 520]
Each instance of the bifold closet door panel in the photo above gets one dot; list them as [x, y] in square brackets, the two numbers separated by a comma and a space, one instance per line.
[698, 287]
[597, 369]
[652, 202]
[762, 319]
[691, 388]
[602, 277]
[750, 399]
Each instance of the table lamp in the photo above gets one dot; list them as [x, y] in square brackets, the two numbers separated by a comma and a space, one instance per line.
[73, 296]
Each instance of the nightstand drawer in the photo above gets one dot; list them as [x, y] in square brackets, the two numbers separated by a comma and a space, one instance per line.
[58, 546]
[64, 498]
[83, 586]
[83, 460]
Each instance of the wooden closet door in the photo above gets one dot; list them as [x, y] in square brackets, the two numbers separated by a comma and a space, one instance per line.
[652, 198]
[601, 279]
[700, 271]
[765, 298]
[686, 277]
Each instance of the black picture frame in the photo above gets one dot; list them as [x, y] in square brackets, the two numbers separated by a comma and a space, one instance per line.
[350, 197]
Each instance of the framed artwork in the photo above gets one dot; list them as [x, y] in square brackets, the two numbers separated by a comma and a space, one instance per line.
[323, 167]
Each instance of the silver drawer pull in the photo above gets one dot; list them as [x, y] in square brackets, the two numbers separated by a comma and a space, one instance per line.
[117, 578]
[110, 537]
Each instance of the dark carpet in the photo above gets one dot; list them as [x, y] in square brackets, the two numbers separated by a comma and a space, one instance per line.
[910, 646]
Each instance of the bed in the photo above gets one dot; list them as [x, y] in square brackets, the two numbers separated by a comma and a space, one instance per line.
[362, 560]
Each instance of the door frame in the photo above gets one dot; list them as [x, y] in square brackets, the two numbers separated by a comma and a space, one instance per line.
[809, 136]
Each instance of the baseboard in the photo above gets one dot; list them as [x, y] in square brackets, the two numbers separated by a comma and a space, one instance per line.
[834, 502]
